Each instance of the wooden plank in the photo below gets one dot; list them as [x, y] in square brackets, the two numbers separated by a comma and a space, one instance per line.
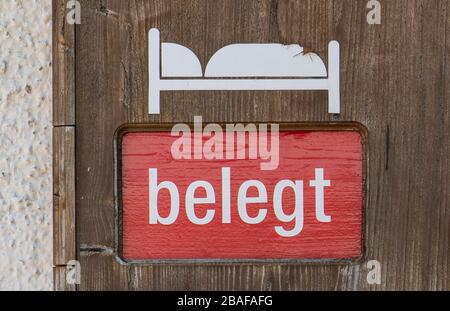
[59, 280]
[399, 74]
[63, 66]
[105, 95]
[394, 81]
[111, 275]
[64, 238]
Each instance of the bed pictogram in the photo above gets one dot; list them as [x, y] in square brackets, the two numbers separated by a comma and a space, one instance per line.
[242, 67]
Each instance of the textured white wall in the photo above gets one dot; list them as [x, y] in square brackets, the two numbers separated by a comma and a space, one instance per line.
[25, 145]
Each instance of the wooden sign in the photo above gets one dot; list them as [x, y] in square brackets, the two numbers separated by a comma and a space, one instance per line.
[239, 204]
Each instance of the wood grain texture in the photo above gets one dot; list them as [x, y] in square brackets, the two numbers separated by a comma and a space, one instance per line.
[394, 80]
[63, 66]
[64, 238]
[59, 280]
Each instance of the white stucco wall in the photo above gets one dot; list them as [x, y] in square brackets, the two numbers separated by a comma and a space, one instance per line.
[25, 145]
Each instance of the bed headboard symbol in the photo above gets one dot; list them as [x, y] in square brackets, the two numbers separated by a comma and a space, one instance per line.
[241, 67]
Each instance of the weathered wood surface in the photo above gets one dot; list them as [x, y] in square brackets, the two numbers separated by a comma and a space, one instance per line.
[64, 195]
[59, 280]
[63, 66]
[64, 236]
[394, 80]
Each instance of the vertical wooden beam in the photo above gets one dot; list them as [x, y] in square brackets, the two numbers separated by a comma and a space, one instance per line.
[64, 235]
[64, 195]
[63, 66]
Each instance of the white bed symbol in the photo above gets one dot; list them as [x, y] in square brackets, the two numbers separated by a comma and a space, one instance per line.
[241, 67]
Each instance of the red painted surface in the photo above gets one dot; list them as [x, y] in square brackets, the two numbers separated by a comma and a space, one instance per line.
[339, 153]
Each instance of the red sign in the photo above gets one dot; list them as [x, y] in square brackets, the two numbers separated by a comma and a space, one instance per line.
[306, 206]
